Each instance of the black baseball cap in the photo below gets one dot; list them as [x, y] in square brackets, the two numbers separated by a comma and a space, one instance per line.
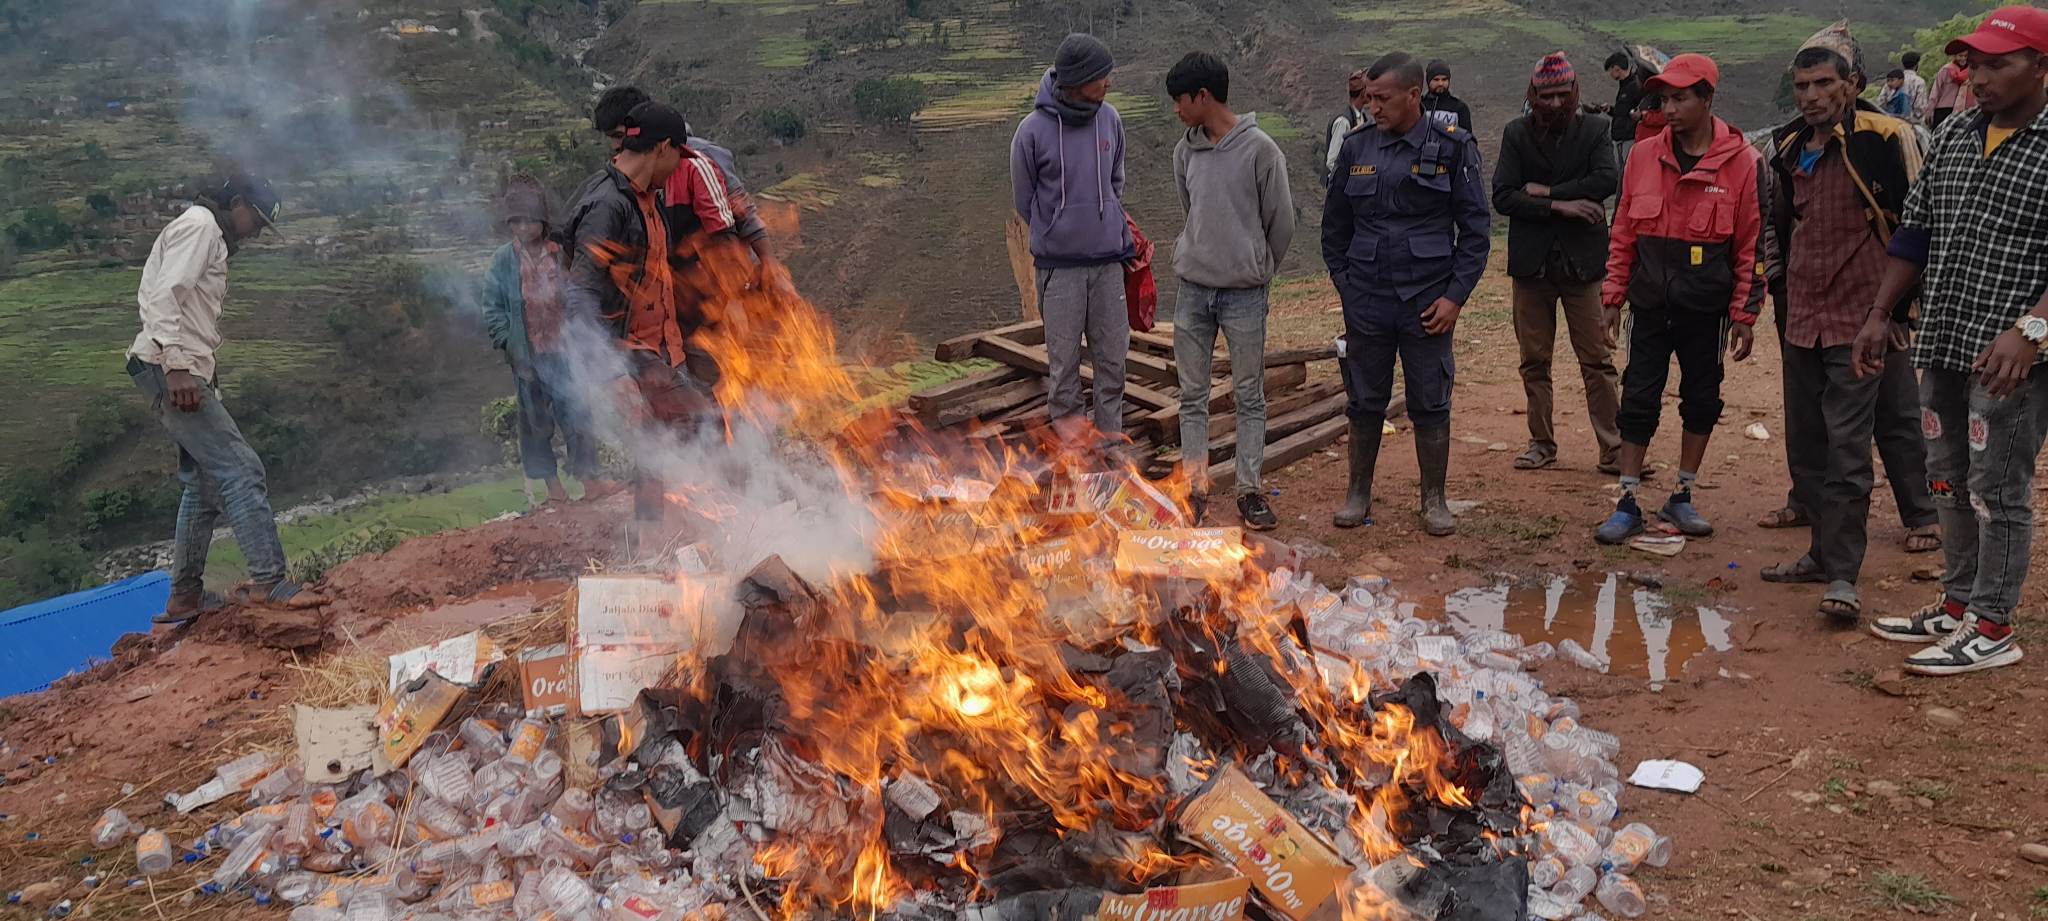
[651, 123]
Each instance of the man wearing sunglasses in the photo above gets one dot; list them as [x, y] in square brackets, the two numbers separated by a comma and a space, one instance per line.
[1355, 117]
[184, 288]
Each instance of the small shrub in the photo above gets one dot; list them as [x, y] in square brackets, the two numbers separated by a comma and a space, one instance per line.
[783, 124]
[888, 101]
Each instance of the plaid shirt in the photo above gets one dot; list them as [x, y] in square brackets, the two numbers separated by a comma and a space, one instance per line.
[1981, 224]
[1836, 262]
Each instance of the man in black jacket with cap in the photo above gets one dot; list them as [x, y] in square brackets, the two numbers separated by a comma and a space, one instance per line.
[1438, 103]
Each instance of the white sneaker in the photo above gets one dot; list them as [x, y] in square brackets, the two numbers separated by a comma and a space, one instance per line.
[1965, 650]
[1930, 624]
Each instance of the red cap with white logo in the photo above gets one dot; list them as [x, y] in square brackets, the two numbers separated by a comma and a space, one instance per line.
[2006, 31]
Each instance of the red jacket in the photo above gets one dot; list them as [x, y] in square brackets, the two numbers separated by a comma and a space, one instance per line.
[1690, 242]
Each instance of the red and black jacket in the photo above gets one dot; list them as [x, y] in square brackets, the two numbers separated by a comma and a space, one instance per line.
[1690, 241]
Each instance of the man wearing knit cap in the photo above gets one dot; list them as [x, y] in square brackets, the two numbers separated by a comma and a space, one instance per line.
[1556, 168]
[1438, 103]
[1067, 180]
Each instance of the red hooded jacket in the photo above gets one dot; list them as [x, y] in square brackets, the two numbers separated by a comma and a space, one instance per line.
[1692, 241]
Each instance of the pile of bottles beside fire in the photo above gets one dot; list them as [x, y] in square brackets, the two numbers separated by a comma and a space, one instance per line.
[1259, 746]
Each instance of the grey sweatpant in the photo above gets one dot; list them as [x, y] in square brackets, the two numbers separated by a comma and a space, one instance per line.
[1085, 303]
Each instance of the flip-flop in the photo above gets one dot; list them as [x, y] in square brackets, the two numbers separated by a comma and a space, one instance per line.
[1929, 539]
[1841, 602]
[174, 614]
[1535, 459]
[1802, 570]
[1783, 517]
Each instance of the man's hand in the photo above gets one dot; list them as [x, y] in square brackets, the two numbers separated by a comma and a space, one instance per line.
[1900, 338]
[1579, 209]
[1871, 342]
[1537, 189]
[1610, 326]
[2004, 365]
[1441, 317]
[184, 390]
[1741, 338]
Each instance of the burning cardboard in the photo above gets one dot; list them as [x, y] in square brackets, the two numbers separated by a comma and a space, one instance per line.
[1206, 554]
[1296, 872]
[1221, 900]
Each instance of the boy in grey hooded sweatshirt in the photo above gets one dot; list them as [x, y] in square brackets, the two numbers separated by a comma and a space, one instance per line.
[1233, 184]
[1067, 177]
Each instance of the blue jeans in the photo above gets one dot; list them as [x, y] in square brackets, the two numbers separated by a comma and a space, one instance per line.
[1241, 315]
[221, 475]
[1980, 473]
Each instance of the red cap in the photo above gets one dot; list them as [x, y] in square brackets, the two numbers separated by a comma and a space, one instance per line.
[1686, 70]
[2006, 31]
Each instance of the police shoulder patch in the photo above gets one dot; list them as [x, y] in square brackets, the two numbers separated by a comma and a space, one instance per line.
[1363, 169]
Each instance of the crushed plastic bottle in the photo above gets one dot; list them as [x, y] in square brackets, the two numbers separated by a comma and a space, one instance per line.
[1578, 655]
[111, 829]
[1637, 845]
[1619, 894]
[153, 853]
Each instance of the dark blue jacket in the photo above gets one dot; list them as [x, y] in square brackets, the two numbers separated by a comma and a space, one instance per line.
[1405, 214]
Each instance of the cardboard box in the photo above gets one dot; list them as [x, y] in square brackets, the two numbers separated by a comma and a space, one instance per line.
[547, 680]
[609, 678]
[406, 717]
[334, 744]
[1295, 872]
[1207, 554]
[1222, 900]
[625, 610]
[461, 659]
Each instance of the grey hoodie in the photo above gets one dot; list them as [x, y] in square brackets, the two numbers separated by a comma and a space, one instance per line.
[1240, 212]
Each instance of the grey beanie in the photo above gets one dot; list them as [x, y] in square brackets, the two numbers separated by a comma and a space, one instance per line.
[1082, 59]
[1438, 68]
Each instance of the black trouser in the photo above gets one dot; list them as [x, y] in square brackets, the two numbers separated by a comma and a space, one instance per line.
[1695, 338]
[1834, 413]
[1897, 433]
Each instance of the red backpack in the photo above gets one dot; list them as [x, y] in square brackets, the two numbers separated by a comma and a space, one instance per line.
[1141, 293]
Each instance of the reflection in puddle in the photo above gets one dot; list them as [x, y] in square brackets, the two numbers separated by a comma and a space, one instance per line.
[1654, 637]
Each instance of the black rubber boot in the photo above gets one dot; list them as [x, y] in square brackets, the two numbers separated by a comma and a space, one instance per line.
[1433, 455]
[1365, 454]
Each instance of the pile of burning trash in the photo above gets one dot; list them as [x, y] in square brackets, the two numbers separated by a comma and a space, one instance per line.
[1079, 711]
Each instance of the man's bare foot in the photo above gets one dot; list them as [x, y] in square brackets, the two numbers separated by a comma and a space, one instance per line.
[555, 491]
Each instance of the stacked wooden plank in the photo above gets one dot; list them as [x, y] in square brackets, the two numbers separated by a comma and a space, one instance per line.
[1009, 401]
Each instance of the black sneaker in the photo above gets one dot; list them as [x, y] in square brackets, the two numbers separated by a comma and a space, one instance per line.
[1198, 508]
[1256, 512]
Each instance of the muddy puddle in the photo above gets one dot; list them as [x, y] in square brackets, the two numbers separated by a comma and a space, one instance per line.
[1642, 633]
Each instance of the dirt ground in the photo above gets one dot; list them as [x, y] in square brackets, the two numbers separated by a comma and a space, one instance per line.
[1831, 791]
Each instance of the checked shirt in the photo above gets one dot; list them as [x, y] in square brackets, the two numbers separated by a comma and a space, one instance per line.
[1986, 223]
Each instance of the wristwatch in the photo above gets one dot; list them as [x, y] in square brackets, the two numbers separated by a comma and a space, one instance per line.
[2034, 329]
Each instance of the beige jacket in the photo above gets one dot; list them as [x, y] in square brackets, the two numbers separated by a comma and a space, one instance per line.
[183, 288]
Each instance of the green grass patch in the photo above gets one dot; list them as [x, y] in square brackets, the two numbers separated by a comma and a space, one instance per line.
[1905, 891]
[1278, 126]
[411, 516]
[1729, 39]
[783, 51]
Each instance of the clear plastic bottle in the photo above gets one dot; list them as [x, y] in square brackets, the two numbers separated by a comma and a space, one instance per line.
[368, 906]
[1547, 907]
[243, 773]
[441, 819]
[1574, 844]
[1619, 894]
[299, 886]
[1636, 845]
[299, 834]
[153, 853]
[317, 913]
[112, 828]
[1578, 655]
[1578, 882]
[1545, 873]
[482, 737]
[529, 739]
[565, 893]
[283, 783]
[1593, 806]
[365, 819]
[235, 867]
[449, 780]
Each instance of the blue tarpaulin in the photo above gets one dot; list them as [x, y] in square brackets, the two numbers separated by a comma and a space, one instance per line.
[44, 641]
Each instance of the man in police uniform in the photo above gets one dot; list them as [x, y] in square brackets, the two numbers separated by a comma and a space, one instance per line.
[1404, 236]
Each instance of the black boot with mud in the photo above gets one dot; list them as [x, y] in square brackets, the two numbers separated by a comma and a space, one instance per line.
[1365, 455]
[1433, 455]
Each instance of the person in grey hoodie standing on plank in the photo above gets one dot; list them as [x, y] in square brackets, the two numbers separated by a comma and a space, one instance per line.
[1232, 180]
[1067, 175]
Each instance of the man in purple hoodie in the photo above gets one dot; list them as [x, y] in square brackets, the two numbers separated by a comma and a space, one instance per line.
[1067, 174]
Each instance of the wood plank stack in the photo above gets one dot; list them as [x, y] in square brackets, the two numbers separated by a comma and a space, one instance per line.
[1009, 401]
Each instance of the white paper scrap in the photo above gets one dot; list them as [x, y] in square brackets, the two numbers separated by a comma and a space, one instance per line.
[1668, 775]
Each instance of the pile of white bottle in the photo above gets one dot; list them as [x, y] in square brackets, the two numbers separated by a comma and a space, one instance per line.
[480, 826]
[1566, 770]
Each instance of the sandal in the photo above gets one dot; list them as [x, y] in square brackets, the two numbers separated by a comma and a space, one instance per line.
[1924, 539]
[1802, 570]
[1841, 602]
[184, 609]
[1536, 458]
[1786, 517]
[286, 595]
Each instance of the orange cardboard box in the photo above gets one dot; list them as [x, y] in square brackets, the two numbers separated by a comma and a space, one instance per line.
[1209, 554]
[1295, 871]
[1221, 900]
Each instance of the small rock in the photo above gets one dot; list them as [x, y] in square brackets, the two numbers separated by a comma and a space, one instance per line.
[1884, 788]
[1807, 797]
[1944, 718]
[43, 892]
[1755, 431]
[1890, 681]
[1497, 446]
[2034, 853]
[1923, 802]
[1927, 574]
